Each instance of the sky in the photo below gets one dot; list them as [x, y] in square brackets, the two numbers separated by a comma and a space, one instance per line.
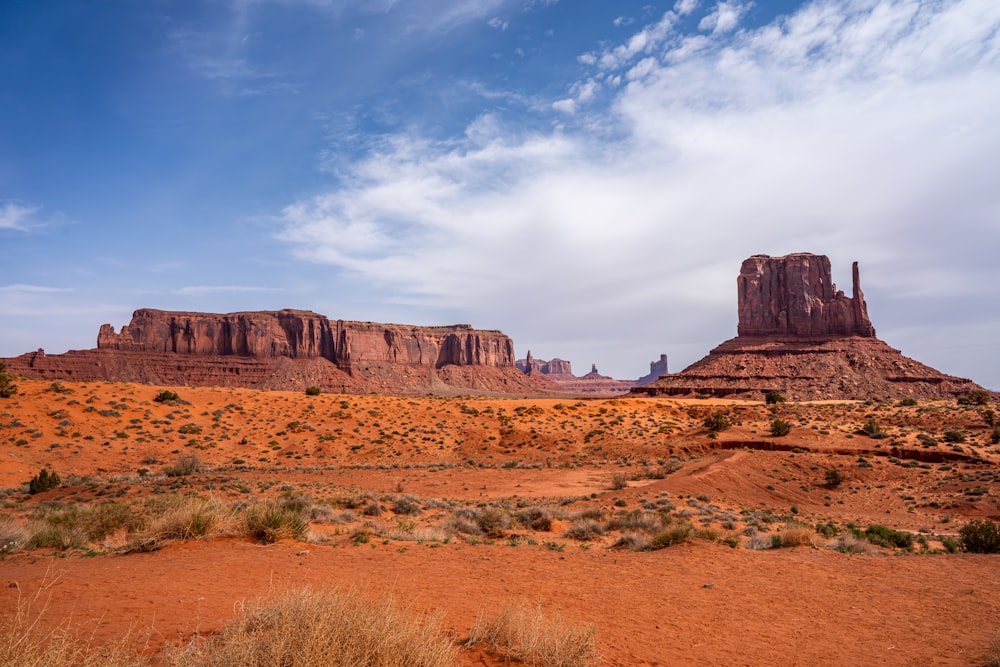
[586, 176]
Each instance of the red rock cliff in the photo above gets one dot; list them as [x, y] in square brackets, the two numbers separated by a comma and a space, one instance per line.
[302, 334]
[795, 296]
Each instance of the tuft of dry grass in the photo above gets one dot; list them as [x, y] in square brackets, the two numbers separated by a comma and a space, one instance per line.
[13, 536]
[521, 632]
[25, 643]
[993, 659]
[797, 535]
[850, 543]
[307, 628]
[272, 521]
[185, 518]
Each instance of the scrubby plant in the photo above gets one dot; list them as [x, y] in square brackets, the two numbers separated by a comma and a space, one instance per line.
[43, 481]
[584, 530]
[184, 465]
[981, 536]
[676, 533]
[872, 429]
[773, 397]
[271, 521]
[833, 478]
[779, 428]
[995, 435]
[321, 627]
[524, 634]
[166, 396]
[887, 537]
[7, 386]
[494, 522]
[907, 402]
[313, 391]
[717, 422]
[619, 481]
[184, 518]
[975, 397]
[954, 436]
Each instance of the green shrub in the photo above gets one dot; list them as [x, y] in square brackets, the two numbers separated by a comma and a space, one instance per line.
[779, 428]
[166, 396]
[954, 435]
[7, 386]
[774, 396]
[271, 521]
[717, 422]
[676, 534]
[43, 481]
[185, 465]
[833, 478]
[907, 402]
[887, 537]
[981, 536]
[872, 429]
[976, 397]
[313, 391]
[995, 435]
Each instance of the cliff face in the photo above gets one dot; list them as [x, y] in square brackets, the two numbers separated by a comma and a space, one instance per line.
[801, 336]
[298, 334]
[794, 295]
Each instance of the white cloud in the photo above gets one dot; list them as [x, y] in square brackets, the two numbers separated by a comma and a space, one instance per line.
[18, 217]
[685, 7]
[724, 18]
[498, 23]
[862, 130]
[622, 21]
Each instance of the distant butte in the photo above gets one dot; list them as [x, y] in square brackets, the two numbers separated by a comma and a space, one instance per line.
[291, 349]
[798, 334]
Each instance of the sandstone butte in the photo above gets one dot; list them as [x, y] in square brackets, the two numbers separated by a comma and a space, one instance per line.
[799, 335]
[291, 350]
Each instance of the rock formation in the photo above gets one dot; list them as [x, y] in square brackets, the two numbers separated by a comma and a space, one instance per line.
[290, 349]
[657, 369]
[560, 373]
[801, 336]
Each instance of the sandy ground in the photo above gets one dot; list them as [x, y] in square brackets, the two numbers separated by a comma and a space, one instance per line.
[699, 603]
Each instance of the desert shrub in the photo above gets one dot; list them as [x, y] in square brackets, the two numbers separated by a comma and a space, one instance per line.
[993, 659]
[717, 422]
[584, 530]
[951, 545]
[632, 541]
[954, 435]
[995, 435]
[189, 429]
[872, 429]
[850, 542]
[43, 481]
[313, 391]
[779, 427]
[13, 536]
[619, 481]
[976, 397]
[797, 535]
[981, 536]
[57, 536]
[184, 465]
[907, 402]
[887, 537]
[373, 509]
[523, 633]
[271, 521]
[406, 505]
[7, 386]
[58, 388]
[494, 522]
[536, 518]
[465, 520]
[103, 520]
[774, 396]
[331, 627]
[827, 529]
[637, 520]
[833, 478]
[166, 396]
[674, 534]
[990, 417]
[182, 518]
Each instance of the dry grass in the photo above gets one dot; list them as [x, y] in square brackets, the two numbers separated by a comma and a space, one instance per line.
[184, 518]
[309, 627]
[797, 535]
[993, 659]
[849, 543]
[25, 643]
[521, 632]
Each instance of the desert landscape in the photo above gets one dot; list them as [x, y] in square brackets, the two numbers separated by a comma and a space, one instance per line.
[649, 530]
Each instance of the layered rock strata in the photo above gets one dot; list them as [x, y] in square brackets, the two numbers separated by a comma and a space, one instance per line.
[798, 334]
[290, 349]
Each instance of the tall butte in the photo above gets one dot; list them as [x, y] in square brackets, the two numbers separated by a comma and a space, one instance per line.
[800, 335]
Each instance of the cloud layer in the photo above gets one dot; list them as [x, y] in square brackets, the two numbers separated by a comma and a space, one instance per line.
[860, 129]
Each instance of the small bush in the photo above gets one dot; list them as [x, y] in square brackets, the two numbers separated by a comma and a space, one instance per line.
[43, 481]
[774, 396]
[797, 535]
[873, 430]
[976, 397]
[272, 521]
[166, 397]
[494, 522]
[907, 402]
[7, 386]
[717, 422]
[186, 464]
[668, 537]
[779, 428]
[584, 530]
[995, 435]
[523, 633]
[183, 519]
[313, 391]
[833, 478]
[619, 481]
[954, 435]
[981, 536]
[887, 537]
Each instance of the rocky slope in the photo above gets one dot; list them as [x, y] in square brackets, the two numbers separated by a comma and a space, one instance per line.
[798, 334]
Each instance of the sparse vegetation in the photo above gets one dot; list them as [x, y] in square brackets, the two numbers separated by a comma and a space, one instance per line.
[780, 427]
[773, 397]
[981, 536]
[833, 478]
[166, 396]
[717, 422]
[7, 386]
[975, 397]
[313, 391]
[518, 631]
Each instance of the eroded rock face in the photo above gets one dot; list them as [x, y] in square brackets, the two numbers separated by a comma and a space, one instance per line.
[801, 336]
[794, 295]
[299, 334]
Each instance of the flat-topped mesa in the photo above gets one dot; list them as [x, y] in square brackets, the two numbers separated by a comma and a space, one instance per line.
[300, 334]
[794, 296]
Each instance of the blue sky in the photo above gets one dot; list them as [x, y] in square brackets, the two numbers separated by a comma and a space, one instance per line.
[585, 176]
